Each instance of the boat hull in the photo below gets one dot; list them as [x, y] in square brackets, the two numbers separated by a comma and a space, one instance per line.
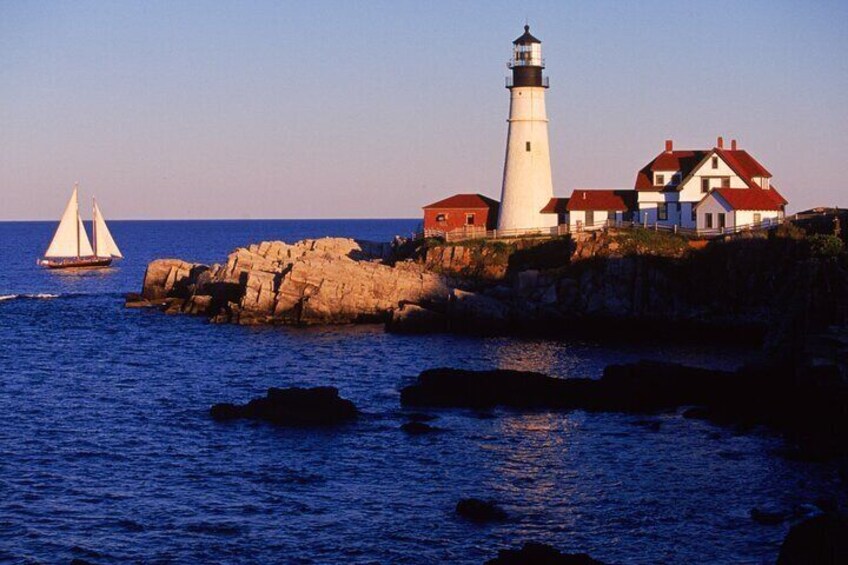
[76, 263]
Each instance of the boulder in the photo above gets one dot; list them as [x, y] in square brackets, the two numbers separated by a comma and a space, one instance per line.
[169, 277]
[540, 554]
[412, 319]
[318, 406]
[823, 539]
[418, 428]
[478, 510]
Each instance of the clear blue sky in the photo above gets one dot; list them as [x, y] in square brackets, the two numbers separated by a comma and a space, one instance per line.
[372, 109]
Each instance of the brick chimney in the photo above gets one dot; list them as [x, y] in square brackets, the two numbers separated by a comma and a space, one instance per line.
[669, 145]
[733, 145]
[720, 142]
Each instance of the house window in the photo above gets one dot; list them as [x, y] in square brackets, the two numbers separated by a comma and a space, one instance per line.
[758, 219]
[662, 211]
[611, 215]
[721, 220]
[660, 180]
[705, 185]
[708, 220]
[469, 219]
[441, 217]
[527, 146]
[715, 162]
[590, 218]
[725, 182]
[694, 214]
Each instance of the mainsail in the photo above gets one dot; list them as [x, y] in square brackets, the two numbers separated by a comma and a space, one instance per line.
[70, 239]
[104, 245]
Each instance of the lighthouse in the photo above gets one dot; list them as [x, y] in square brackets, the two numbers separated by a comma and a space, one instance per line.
[527, 185]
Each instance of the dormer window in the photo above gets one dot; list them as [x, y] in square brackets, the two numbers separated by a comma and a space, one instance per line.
[659, 180]
[725, 182]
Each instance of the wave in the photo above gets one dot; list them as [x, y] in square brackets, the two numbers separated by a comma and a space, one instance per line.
[33, 296]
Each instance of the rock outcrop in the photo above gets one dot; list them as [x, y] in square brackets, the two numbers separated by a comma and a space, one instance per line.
[539, 553]
[823, 539]
[323, 281]
[811, 411]
[478, 510]
[318, 406]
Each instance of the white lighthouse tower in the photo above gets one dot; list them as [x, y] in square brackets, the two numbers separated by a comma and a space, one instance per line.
[527, 185]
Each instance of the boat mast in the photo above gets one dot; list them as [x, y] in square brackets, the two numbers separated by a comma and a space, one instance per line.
[76, 205]
[94, 223]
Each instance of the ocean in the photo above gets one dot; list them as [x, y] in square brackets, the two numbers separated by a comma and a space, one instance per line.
[108, 453]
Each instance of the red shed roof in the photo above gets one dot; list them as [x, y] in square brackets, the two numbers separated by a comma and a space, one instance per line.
[555, 206]
[601, 199]
[467, 201]
[750, 198]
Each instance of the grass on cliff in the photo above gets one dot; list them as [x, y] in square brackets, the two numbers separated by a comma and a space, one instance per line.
[641, 241]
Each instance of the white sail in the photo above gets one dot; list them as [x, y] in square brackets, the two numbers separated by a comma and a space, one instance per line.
[104, 244]
[70, 239]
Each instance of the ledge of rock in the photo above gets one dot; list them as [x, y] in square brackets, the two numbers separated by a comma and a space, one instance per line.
[809, 408]
[321, 281]
[318, 406]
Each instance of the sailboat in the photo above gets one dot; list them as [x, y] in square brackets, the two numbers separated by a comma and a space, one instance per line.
[70, 246]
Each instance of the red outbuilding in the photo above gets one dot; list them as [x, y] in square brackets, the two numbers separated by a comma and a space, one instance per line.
[461, 212]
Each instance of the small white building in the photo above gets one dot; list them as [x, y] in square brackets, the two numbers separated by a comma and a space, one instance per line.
[589, 209]
[734, 209]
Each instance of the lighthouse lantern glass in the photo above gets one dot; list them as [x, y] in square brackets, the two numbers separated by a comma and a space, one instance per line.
[528, 55]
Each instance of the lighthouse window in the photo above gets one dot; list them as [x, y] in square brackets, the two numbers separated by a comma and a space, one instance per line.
[527, 146]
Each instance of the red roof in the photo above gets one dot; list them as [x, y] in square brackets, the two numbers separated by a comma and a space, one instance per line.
[465, 201]
[686, 160]
[601, 199]
[682, 160]
[556, 206]
[750, 198]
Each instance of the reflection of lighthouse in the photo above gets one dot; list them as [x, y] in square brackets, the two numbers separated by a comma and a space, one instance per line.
[527, 185]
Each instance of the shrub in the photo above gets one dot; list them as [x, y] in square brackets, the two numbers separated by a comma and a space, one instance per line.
[822, 245]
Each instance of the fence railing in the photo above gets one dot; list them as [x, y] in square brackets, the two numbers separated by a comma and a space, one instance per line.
[469, 233]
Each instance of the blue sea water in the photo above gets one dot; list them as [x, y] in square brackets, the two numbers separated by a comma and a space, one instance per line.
[108, 453]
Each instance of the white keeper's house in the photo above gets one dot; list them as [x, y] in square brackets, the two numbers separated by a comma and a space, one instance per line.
[711, 189]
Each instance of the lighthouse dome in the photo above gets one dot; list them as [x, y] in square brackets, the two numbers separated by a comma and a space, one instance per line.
[526, 38]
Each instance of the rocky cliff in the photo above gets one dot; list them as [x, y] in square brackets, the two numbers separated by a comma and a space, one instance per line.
[323, 281]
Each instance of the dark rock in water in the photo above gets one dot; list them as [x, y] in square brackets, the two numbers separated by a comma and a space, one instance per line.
[810, 409]
[823, 539]
[478, 510]
[540, 554]
[318, 406]
[418, 428]
[767, 517]
[643, 387]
